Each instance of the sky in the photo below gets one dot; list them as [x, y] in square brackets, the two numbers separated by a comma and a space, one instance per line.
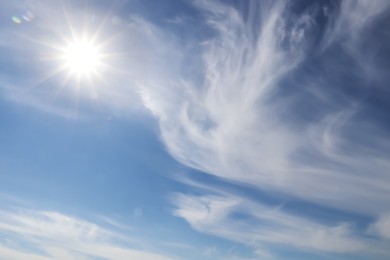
[194, 129]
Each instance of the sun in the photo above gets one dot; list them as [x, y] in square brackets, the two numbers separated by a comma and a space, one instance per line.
[78, 54]
[81, 57]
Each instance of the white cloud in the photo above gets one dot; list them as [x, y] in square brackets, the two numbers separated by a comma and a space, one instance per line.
[240, 119]
[232, 121]
[238, 123]
[14, 254]
[382, 226]
[50, 235]
[263, 225]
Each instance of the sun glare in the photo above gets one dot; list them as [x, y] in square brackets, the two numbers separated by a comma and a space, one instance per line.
[81, 58]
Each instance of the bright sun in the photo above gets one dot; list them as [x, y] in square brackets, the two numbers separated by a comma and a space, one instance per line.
[81, 58]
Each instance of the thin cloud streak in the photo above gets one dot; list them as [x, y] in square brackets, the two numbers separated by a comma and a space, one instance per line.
[260, 226]
[51, 235]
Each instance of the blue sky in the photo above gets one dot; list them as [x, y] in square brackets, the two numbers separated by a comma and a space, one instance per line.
[190, 130]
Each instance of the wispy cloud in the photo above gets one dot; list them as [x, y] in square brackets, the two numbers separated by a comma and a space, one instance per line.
[284, 100]
[31, 234]
[271, 110]
[382, 226]
[260, 226]
[282, 104]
